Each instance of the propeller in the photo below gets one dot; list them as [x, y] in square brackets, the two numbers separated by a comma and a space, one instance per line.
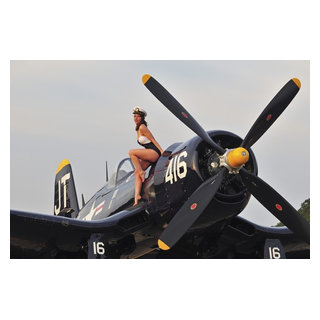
[232, 160]
[178, 110]
[276, 204]
[190, 211]
[272, 111]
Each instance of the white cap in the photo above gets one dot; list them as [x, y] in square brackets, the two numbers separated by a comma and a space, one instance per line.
[140, 111]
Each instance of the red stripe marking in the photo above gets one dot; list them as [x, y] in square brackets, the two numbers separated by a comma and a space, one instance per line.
[100, 206]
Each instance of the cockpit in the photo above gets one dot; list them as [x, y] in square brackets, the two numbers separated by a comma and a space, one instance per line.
[119, 189]
[123, 170]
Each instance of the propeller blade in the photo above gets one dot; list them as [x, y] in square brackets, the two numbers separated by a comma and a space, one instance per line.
[190, 211]
[178, 110]
[273, 110]
[276, 204]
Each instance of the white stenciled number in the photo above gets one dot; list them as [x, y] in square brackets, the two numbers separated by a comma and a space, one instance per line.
[274, 253]
[169, 175]
[182, 166]
[98, 248]
[176, 168]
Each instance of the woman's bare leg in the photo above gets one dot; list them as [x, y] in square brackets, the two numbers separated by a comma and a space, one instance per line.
[136, 163]
[142, 154]
[138, 182]
[141, 159]
[137, 187]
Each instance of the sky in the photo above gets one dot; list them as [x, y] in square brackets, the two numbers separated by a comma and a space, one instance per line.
[81, 110]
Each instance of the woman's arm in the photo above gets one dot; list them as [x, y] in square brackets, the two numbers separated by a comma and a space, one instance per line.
[147, 133]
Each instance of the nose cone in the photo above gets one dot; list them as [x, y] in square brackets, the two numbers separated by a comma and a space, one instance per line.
[238, 157]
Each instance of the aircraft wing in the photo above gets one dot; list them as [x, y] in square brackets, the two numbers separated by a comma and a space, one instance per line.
[47, 236]
[251, 240]
[238, 239]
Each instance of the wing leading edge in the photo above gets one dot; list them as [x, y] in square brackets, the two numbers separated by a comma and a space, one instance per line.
[45, 236]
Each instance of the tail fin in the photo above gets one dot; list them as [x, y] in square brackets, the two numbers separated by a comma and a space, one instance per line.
[65, 196]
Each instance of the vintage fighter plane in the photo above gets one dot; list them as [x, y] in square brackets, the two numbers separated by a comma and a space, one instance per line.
[191, 200]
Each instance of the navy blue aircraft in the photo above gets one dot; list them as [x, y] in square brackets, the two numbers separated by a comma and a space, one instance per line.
[191, 200]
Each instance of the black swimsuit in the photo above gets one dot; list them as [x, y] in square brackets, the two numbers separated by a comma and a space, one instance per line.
[150, 145]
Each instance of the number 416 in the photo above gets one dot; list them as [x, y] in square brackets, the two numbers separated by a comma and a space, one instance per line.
[176, 168]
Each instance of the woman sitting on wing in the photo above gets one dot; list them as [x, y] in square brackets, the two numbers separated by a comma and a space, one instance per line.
[143, 158]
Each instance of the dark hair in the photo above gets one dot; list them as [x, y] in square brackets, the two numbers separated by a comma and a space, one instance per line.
[141, 122]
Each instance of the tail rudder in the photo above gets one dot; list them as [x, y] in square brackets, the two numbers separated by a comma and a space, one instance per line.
[65, 196]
